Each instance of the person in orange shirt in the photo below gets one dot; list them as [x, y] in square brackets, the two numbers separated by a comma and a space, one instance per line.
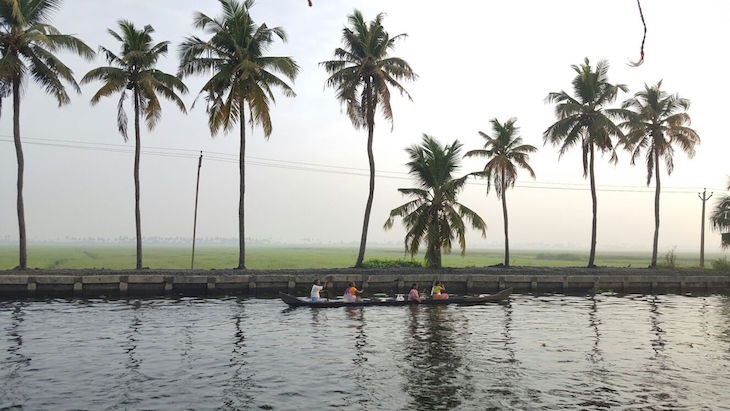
[352, 294]
[437, 292]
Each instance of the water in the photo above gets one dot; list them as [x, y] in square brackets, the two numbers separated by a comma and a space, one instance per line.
[537, 352]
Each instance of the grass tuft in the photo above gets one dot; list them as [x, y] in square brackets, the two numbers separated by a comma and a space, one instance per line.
[387, 263]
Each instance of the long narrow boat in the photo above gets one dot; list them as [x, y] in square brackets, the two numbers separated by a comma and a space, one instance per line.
[483, 299]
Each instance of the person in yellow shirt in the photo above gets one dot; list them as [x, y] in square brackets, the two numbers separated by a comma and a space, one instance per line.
[437, 292]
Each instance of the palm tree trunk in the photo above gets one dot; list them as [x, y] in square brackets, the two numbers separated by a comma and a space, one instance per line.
[137, 214]
[592, 256]
[506, 224]
[241, 207]
[437, 255]
[21, 166]
[656, 210]
[371, 160]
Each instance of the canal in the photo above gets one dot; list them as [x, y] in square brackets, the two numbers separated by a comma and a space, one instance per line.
[536, 352]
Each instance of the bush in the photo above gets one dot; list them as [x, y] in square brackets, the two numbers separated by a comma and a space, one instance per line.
[377, 263]
[721, 264]
[670, 259]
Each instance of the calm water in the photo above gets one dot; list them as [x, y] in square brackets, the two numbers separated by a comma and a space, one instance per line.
[545, 352]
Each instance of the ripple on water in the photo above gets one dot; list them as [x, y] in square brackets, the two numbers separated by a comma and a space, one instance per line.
[547, 352]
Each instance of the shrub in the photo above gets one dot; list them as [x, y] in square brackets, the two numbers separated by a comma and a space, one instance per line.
[721, 264]
[377, 263]
[670, 259]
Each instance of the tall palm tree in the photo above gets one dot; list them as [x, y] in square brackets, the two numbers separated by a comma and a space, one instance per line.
[27, 46]
[134, 71]
[584, 120]
[434, 215]
[242, 74]
[656, 121]
[363, 72]
[720, 217]
[505, 153]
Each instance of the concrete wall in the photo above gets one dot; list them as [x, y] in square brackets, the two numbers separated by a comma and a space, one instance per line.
[94, 283]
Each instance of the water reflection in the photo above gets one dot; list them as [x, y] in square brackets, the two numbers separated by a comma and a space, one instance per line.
[132, 376]
[357, 317]
[435, 371]
[599, 352]
[237, 392]
[16, 361]
[599, 388]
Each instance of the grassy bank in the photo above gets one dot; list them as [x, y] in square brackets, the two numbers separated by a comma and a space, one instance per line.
[122, 257]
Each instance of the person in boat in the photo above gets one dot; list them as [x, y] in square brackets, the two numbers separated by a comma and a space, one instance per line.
[413, 294]
[314, 294]
[352, 294]
[437, 291]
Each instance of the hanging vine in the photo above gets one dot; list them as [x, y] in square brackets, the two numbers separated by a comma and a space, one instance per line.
[641, 58]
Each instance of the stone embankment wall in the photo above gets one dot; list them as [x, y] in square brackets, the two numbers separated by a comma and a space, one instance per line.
[111, 283]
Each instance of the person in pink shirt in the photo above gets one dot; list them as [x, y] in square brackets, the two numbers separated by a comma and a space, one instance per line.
[413, 294]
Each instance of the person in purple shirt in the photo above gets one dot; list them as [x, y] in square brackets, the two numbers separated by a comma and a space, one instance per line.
[413, 294]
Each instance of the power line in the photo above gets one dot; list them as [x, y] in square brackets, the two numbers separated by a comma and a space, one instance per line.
[182, 153]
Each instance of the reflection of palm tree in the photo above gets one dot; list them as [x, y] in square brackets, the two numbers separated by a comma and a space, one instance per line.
[15, 361]
[356, 317]
[133, 377]
[657, 343]
[237, 392]
[596, 355]
[435, 367]
[506, 368]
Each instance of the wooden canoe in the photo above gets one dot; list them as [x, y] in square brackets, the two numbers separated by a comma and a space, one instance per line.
[293, 301]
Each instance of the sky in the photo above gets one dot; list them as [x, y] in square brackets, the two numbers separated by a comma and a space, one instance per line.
[307, 184]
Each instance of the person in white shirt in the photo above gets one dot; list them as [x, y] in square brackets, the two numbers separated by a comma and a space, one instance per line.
[316, 288]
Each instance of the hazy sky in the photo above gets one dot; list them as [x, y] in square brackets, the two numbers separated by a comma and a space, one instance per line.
[475, 61]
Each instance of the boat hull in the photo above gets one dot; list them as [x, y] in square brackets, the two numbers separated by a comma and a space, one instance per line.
[293, 301]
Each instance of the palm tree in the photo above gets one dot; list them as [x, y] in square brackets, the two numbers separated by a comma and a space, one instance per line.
[27, 46]
[134, 71]
[720, 217]
[434, 215]
[242, 74]
[362, 72]
[505, 153]
[584, 120]
[655, 122]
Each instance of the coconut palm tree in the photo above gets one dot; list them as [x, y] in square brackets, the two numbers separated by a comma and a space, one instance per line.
[434, 215]
[242, 74]
[133, 71]
[505, 153]
[28, 43]
[656, 122]
[583, 120]
[363, 72]
[720, 217]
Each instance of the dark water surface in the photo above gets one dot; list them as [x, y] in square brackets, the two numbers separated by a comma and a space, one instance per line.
[537, 352]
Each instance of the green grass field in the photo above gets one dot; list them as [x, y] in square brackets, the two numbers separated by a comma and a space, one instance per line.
[157, 257]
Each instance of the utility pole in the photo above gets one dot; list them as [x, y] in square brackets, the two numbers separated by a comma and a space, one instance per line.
[195, 215]
[703, 196]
